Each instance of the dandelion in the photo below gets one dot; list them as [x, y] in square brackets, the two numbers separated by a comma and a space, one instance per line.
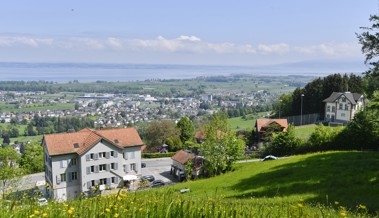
[363, 207]
[116, 215]
[344, 214]
[108, 210]
[44, 214]
[300, 205]
[36, 212]
[69, 211]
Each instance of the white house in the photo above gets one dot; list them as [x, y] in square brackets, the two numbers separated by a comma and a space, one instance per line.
[342, 106]
[77, 162]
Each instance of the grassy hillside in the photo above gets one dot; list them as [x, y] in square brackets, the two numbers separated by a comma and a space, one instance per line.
[330, 184]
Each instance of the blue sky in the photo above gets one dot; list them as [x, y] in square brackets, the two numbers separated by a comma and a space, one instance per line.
[210, 32]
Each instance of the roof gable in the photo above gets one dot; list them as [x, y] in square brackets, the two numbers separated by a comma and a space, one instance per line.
[351, 97]
[260, 123]
[80, 142]
[182, 157]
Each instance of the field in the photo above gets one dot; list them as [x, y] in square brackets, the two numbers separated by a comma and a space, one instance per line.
[305, 131]
[298, 186]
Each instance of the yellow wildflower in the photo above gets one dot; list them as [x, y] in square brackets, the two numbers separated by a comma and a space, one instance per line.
[36, 212]
[71, 208]
[44, 214]
[108, 210]
[69, 211]
[116, 215]
[361, 206]
[336, 203]
[300, 205]
[343, 213]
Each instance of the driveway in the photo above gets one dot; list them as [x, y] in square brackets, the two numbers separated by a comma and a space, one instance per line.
[159, 168]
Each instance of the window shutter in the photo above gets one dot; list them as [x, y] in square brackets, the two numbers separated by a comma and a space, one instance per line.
[116, 180]
[97, 169]
[108, 167]
[58, 179]
[69, 162]
[88, 170]
[132, 155]
[107, 155]
[88, 157]
[61, 162]
[115, 154]
[96, 156]
[69, 175]
[125, 155]
[89, 184]
[116, 166]
[97, 182]
[108, 181]
[124, 168]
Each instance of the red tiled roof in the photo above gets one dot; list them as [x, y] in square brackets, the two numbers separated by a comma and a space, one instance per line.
[182, 156]
[265, 122]
[58, 144]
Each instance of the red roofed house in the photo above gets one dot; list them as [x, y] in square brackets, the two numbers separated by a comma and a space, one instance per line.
[77, 162]
[262, 126]
[179, 161]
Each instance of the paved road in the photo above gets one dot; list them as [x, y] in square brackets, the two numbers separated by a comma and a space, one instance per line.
[159, 168]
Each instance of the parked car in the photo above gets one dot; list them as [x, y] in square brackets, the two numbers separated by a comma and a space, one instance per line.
[143, 165]
[157, 183]
[149, 178]
[269, 157]
[42, 201]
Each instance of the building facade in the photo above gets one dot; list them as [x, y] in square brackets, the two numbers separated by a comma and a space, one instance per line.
[78, 162]
[341, 107]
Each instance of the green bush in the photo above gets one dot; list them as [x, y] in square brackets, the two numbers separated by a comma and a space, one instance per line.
[157, 155]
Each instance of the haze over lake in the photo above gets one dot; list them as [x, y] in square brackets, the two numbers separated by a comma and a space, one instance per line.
[83, 72]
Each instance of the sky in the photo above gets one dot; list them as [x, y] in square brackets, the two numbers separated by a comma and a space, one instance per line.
[222, 32]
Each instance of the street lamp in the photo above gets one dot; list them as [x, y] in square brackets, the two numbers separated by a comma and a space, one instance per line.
[280, 104]
[301, 110]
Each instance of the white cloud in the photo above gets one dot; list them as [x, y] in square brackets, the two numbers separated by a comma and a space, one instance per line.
[280, 48]
[7, 41]
[330, 49]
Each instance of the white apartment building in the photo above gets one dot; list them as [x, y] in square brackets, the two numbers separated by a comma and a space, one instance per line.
[342, 106]
[77, 162]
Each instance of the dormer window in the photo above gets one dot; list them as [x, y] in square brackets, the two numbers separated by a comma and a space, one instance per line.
[116, 141]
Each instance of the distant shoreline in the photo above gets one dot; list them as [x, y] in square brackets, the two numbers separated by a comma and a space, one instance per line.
[91, 72]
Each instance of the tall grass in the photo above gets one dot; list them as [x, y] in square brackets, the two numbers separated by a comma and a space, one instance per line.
[172, 205]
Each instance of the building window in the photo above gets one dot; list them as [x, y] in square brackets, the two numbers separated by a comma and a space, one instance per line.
[328, 108]
[343, 99]
[102, 154]
[92, 169]
[63, 177]
[328, 116]
[341, 106]
[92, 156]
[112, 153]
[132, 155]
[112, 166]
[74, 161]
[113, 180]
[103, 181]
[346, 107]
[93, 183]
[102, 167]
[342, 115]
[74, 176]
[133, 167]
[333, 109]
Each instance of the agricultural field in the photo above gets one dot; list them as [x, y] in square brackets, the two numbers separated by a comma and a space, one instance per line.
[298, 186]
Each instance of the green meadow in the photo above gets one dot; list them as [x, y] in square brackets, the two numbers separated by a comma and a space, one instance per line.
[330, 184]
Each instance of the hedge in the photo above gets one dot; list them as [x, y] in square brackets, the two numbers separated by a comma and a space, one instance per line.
[157, 155]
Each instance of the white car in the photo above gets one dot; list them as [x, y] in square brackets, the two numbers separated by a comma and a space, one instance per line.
[42, 201]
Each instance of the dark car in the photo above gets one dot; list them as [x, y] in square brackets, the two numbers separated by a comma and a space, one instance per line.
[157, 183]
[143, 165]
[269, 157]
[149, 178]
